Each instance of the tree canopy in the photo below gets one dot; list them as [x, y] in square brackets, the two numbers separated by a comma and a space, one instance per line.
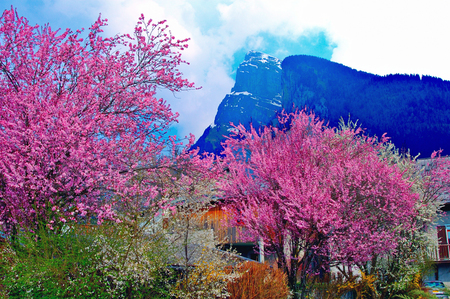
[78, 117]
[315, 194]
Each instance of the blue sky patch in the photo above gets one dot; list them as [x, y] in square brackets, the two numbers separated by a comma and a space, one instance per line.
[314, 42]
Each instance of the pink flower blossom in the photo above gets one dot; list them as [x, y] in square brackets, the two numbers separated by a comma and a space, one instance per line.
[76, 114]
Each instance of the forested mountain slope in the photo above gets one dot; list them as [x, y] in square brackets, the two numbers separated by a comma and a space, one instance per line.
[413, 110]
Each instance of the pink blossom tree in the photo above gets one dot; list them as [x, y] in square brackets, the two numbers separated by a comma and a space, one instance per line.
[315, 194]
[79, 120]
[395, 271]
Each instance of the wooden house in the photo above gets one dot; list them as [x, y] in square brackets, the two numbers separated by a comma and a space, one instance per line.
[216, 219]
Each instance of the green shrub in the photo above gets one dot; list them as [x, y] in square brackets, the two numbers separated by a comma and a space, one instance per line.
[101, 262]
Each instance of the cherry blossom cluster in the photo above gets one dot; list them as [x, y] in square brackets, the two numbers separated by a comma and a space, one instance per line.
[314, 195]
[78, 117]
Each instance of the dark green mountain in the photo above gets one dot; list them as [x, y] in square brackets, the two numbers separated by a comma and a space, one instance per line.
[413, 110]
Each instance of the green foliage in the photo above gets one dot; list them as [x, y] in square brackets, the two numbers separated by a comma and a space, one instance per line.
[81, 262]
[368, 286]
[338, 285]
[414, 294]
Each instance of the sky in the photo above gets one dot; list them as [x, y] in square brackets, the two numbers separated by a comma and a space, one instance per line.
[380, 37]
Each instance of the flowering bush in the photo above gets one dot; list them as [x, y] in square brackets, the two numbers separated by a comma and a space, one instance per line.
[206, 279]
[84, 263]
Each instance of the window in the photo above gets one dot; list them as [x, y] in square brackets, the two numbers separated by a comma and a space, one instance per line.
[443, 233]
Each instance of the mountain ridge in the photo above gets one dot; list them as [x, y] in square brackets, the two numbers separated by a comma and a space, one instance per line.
[414, 110]
[255, 98]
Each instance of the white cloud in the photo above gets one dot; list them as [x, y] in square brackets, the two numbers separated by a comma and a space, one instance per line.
[384, 36]
[378, 36]
[395, 37]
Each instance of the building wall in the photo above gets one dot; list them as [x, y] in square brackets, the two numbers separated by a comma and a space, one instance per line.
[233, 237]
[445, 219]
[216, 219]
[442, 273]
[442, 270]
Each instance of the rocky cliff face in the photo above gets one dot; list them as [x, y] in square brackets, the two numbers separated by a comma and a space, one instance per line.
[413, 110]
[255, 99]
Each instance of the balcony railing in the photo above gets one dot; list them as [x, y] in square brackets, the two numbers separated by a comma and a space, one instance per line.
[440, 253]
